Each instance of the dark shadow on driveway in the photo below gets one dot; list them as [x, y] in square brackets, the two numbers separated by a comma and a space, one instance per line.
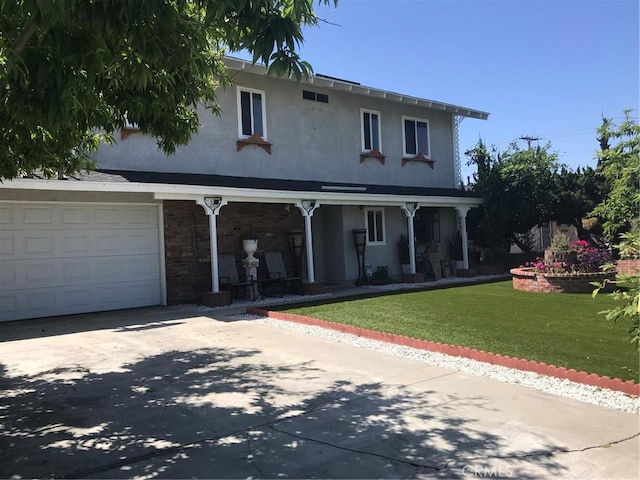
[222, 413]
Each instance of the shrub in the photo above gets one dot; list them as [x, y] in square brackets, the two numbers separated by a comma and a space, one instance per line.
[590, 259]
[560, 242]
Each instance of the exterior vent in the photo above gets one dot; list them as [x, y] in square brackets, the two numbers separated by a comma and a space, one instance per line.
[316, 97]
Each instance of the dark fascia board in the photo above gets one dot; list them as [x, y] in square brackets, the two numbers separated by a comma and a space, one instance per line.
[269, 183]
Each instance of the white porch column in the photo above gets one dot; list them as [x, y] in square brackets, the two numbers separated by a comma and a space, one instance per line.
[462, 215]
[212, 206]
[410, 209]
[307, 207]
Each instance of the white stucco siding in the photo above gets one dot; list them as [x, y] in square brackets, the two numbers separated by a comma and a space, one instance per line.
[310, 140]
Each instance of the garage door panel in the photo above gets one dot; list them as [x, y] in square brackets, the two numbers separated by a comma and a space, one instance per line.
[41, 302]
[108, 216]
[62, 259]
[8, 306]
[7, 246]
[38, 215]
[8, 276]
[143, 242]
[78, 297]
[39, 274]
[77, 271]
[6, 215]
[43, 244]
[74, 216]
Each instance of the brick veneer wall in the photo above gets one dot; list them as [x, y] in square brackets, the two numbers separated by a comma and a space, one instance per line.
[628, 267]
[529, 281]
[186, 237]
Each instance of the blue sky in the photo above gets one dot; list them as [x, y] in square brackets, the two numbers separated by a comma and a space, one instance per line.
[544, 68]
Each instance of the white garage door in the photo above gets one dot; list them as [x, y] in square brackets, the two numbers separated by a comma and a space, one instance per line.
[64, 258]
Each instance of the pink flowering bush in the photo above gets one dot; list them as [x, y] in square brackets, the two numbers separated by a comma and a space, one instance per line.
[540, 267]
[589, 260]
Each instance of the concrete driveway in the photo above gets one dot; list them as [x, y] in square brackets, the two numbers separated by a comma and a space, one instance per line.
[171, 393]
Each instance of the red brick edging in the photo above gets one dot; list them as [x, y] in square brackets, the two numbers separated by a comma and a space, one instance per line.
[629, 387]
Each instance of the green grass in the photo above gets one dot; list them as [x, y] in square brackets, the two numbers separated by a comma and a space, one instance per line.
[560, 329]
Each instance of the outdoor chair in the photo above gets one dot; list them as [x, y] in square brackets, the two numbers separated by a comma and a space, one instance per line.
[278, 280]
[231, 280]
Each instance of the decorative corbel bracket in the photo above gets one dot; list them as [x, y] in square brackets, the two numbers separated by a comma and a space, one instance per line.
[418, 158]
[373, 154]
[127, 131]
[254, 139]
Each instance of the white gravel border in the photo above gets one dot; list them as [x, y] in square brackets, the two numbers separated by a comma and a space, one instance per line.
[556, 386]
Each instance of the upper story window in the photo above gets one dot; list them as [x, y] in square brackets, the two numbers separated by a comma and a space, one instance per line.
[251, 113]
[370, 120]
[375, 226]
[416, 137]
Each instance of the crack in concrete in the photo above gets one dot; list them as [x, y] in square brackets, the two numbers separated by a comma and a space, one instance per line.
[353, 450]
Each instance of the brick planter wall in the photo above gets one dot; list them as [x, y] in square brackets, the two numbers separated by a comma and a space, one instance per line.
[529, 281]
[628, 267]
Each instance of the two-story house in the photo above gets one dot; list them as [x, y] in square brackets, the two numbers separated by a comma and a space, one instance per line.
[321, 157]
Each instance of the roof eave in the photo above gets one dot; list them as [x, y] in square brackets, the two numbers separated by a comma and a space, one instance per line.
[338, 85]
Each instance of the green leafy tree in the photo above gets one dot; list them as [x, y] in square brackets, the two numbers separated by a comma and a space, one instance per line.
[74, 71]
[578, 193]
[519, 189]
[620, 166]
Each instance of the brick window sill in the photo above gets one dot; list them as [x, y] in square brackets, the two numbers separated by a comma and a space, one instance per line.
[254, 139]
[418, 158]
[373, 154]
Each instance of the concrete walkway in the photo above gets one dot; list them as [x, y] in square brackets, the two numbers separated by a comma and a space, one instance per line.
[178, 393]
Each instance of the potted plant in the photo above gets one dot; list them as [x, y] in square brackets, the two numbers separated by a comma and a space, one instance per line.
[560, 251]
[404, 254]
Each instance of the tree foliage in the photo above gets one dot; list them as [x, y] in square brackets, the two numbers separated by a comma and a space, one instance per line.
[72, 72]
[620, 165]
[578, 193]
[519, 189]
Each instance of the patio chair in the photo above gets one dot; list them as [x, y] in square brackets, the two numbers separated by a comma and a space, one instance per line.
[231, 280]
[279, 280]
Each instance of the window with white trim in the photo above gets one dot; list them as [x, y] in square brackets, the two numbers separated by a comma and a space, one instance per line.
[416, 137]
[251, 113]
[374, 218]
[370, 122]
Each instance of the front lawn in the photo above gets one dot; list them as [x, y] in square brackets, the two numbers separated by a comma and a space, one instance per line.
[559, 329]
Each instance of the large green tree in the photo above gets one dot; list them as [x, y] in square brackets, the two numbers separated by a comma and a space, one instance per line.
[519, 189]
[619, 158]
[74, 71]
[579, 192]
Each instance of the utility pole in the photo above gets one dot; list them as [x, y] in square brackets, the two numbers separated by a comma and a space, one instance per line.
[529, 139]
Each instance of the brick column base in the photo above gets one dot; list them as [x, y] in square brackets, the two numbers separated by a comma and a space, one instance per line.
[315, 288]
[466, 272]
[216, 299]
[413, 277]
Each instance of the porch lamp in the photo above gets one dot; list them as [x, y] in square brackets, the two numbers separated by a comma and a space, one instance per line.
[296, 244]
[360, 242]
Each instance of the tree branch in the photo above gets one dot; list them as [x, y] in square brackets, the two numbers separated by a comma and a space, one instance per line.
[25, 35]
